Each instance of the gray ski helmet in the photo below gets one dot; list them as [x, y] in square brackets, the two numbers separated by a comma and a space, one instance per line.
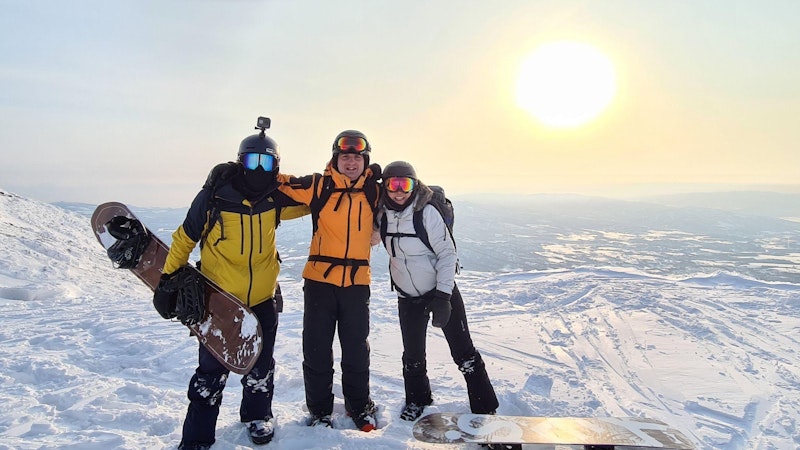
[399, 169]
[261, 143]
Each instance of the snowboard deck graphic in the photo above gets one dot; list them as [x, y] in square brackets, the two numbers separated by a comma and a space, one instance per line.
[629, 432]
[230, 330]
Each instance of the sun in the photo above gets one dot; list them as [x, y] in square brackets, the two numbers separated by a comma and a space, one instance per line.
[566, 84]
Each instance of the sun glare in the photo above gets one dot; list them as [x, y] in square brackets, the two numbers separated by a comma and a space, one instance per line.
[566, 84]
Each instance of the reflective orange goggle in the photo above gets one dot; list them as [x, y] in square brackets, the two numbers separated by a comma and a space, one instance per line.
[351, 143]
[402, 184]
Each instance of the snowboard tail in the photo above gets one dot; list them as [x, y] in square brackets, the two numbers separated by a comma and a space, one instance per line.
[229, 330]
[607, 432]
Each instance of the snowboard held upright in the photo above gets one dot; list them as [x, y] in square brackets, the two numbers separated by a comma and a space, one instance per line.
[591, 432]
[229, 329]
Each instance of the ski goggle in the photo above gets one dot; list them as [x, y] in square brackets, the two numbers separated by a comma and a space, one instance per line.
[251, 161]
[402, 184]
[352, 144]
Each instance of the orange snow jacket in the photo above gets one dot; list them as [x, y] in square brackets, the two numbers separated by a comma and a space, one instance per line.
[342, 227]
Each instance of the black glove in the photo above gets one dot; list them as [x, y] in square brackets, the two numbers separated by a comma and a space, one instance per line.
[165, 297]
[278, 298]
[181, 294]
[440, 306]
[376, 171]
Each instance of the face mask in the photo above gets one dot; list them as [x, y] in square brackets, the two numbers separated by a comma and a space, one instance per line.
[254, 183]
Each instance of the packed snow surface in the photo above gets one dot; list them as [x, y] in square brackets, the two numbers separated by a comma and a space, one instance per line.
[580, 307]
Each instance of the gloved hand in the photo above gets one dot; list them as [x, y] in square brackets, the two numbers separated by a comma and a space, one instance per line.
[440, 307]
[278, 298]
[376, 171]
[165, 297]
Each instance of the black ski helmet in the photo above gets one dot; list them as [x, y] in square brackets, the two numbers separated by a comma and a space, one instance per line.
[260, 143]
[399, 169]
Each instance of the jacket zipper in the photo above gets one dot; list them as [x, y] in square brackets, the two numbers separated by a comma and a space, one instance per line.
[347, 241]
[250, 258]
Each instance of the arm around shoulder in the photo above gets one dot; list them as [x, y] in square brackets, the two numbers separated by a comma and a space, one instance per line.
[299, 189]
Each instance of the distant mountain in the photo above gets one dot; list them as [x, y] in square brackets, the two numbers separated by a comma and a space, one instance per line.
[545, 232]
[84, 209]
[762, 203]
[771, 204]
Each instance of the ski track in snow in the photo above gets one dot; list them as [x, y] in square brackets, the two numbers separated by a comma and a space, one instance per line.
[86, 363]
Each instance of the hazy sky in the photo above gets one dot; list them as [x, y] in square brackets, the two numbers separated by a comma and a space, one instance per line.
[136, 100]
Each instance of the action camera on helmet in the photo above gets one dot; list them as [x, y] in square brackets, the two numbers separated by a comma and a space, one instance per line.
[263, 123]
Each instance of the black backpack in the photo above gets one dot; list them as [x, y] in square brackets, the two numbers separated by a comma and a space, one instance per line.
[442, 204]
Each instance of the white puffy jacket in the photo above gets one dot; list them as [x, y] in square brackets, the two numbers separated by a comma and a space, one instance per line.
[416, 270]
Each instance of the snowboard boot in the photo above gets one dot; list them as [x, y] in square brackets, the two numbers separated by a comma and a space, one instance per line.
[261, 431]
[366, 420]
[324, 420]
[412, 411]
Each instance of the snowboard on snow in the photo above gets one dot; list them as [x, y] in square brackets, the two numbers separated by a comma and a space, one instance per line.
[229, 330]
[592, 432]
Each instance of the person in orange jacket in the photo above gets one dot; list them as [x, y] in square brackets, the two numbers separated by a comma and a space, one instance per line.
[337, 277]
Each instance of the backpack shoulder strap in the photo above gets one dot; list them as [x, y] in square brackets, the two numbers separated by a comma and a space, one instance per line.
[371, 191]
[384, 230]
[277, 216]
[212, 216]
[384, 226]
[419, 228]
[319, 197]
[219, 175]
[422, 233]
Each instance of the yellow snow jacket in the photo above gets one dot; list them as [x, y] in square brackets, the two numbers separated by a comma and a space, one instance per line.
[239, 251]
[340, 245]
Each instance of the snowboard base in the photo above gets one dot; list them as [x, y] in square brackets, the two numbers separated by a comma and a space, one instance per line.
[601, 432]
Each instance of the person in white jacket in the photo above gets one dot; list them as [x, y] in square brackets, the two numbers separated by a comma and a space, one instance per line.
[425, 283]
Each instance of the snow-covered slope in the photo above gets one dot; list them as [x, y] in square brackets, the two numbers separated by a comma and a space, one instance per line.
[86, 363]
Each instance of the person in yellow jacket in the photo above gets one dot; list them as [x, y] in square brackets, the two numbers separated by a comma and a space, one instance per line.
[336, 278]
[233, 218]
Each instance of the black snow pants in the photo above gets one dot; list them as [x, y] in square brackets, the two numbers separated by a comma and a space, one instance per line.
[205, 387]
[413, 327]
[327, 306]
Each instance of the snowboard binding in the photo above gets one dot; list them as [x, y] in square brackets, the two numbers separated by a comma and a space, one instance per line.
[191, 306]
[132, 239]
[185, 286]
